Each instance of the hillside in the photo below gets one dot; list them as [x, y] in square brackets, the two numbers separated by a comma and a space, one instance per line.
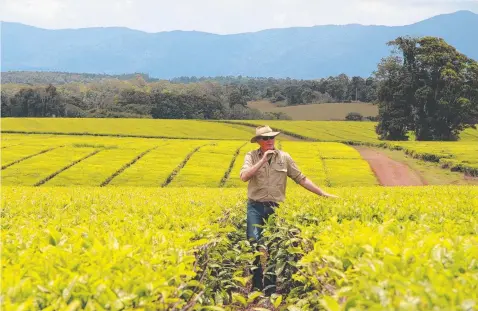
[300, 52]
[317, 112]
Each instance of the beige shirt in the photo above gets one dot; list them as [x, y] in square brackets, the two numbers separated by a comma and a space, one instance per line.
[269, 182]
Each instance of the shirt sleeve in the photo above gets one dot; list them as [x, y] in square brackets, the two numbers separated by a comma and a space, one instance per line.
[247, 163]
[293, 171]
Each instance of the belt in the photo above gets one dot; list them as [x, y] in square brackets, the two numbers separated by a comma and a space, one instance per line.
[266, 203]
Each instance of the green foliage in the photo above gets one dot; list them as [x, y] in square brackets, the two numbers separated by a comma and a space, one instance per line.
[138, 96]
[237, 98]
[432, 89]
[34, 102]
[185, 106]
[354, 116]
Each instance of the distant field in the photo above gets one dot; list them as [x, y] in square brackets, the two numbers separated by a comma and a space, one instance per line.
[61, 160]
[186, 129]
[460, 156]
[340, 131]
[318, 112]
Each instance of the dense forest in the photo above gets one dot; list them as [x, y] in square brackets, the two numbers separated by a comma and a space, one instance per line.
[43, 94]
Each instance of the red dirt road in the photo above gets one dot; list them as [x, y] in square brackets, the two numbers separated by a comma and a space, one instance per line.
[389, 172]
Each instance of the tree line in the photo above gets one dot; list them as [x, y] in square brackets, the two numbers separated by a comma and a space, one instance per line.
[129, 99]
[341, 88]
[204, 98]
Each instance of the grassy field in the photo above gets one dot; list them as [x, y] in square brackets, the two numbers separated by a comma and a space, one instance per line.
[317, 112]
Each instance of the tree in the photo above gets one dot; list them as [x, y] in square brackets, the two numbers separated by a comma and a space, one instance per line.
[394, 110]
[51, 102]
[354, 116]
[431, 89]
[185, 106]
[135, 101]
[26, 102]
[5, 105]
[293, 95]
[236, 98]
[37, 102]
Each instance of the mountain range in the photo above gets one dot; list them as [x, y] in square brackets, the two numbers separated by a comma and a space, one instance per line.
[298, 52]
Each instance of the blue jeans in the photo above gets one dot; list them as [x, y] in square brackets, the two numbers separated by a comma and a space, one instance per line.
[257, 214]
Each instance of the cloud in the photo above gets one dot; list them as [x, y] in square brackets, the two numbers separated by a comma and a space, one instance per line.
[223, 16]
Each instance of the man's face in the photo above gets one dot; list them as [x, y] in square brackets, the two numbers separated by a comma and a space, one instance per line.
[266, 143]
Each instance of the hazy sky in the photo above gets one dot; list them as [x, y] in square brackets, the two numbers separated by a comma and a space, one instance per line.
[223, 16]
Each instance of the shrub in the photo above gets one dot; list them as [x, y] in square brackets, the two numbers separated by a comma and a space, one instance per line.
[354, 116]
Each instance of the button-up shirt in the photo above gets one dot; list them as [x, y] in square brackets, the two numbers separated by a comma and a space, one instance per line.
[269, 182]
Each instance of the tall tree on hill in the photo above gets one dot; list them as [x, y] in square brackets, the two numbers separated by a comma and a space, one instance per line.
[431, 89]
[394, 110]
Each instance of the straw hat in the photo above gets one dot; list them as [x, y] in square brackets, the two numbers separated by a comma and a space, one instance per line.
[263, 131]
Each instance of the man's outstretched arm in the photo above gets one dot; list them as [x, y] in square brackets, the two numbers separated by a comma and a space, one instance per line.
[294, 173]
[309, 185]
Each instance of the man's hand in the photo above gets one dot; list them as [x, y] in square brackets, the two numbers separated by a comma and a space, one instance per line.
[264, 158]
[328, 195]
[309, 185]
[251, 171]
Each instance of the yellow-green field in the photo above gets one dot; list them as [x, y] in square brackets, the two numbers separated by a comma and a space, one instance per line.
[461, 156]
[128, 248]
[61, 160]
[185, 129]
[341, 131]
[142, 221]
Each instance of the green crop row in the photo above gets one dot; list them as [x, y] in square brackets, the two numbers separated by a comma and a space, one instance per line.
[107, 249]
[379, 249]
[160, 163]
[185, 249]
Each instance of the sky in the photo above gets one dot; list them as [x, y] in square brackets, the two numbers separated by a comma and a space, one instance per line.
[223, 16]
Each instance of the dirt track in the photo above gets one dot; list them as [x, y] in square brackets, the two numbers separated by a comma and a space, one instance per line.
[389, 172]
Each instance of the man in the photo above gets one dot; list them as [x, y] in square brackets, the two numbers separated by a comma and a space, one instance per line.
[266, 169]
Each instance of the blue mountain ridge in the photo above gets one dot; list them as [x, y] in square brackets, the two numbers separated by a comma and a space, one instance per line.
[298, 52]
